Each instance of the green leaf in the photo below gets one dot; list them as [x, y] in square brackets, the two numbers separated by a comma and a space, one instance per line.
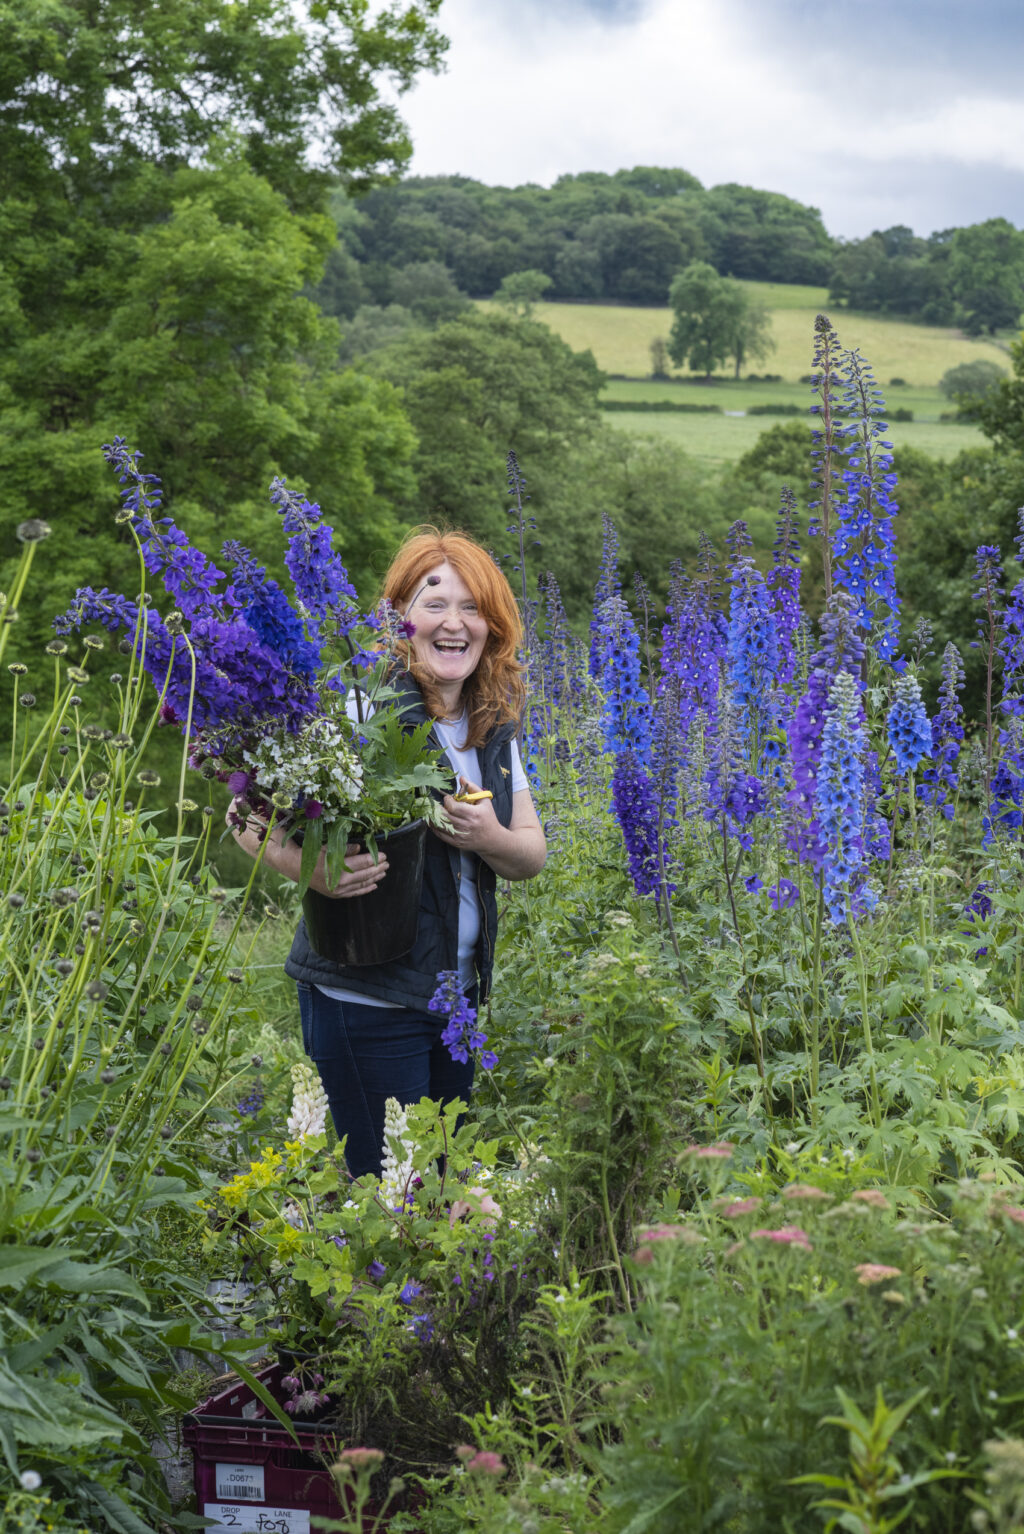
[20, 1263]
[311, 845]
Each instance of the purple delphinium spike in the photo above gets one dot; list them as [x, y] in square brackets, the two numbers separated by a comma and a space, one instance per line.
[784, 583]
[910, 734]
[941, 781]
[626, 718]
[608, 585]
[461, 1034]
[752, 657]
[635, 806]
[839, 796]
[188, 576]
[864, 541]
[840, 649]
[321, 581]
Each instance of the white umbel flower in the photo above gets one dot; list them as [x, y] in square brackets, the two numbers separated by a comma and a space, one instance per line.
[309, 1104]
[398, 1151]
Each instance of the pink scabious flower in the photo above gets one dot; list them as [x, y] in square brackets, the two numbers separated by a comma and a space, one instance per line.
[740, 1206]
[875, 1272]
[487, 1463]
[873, 1196]
[312, 809]
[238, 782]
[786, 1235]
[803, 1190]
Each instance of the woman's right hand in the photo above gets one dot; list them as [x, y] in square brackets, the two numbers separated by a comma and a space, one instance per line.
[362, 876]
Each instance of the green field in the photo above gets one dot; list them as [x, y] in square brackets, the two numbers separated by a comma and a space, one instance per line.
[722, 439]
[620, 337]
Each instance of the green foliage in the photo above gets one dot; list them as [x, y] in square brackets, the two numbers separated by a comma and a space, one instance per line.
[519, 291]
[123, 1026]
[970, 382]
[618, 237]
[715, 319]
[421, 1273]
[87, 90]
[756, 1312]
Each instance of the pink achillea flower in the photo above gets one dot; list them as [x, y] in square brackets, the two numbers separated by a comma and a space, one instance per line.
[487, 1463]
[720, 1151]
[740, 1206]
[786, 1235]
[479, 1201]
[875, 1272]
[361, 1459]
[873, 1196]
[803, 1190]
[465, 1451]
[1012, 1212]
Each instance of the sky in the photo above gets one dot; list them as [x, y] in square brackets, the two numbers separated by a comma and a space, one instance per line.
[876, 112]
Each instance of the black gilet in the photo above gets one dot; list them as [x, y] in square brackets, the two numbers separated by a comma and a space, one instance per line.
[410, 981]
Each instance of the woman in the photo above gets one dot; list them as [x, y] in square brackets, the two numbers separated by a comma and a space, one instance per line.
[367, 1027]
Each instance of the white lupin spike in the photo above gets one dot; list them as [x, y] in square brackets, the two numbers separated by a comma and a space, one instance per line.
[309, 1104]
[397, 1168]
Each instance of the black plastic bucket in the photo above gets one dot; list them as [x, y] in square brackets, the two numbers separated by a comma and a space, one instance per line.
[380, 926]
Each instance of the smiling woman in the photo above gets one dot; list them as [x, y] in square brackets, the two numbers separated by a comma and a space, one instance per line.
[368, 1028]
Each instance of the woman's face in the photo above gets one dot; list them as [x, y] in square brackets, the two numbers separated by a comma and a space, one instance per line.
[450, 631]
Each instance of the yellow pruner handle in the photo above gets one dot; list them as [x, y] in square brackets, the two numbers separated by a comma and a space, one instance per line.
[477, 798]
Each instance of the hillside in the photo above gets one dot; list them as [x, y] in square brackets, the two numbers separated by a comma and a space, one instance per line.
[620, 337]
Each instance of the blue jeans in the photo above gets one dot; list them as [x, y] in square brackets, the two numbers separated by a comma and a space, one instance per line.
[366, 1055]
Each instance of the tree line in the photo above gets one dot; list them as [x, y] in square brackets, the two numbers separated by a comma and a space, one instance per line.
[624, 237]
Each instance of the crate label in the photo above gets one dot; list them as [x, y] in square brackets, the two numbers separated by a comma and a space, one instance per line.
[247, 1519]
[240, 1483]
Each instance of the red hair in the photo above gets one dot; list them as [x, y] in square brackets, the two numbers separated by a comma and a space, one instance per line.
[495, 693]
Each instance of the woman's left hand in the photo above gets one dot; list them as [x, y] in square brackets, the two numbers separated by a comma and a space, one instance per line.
[476, 827]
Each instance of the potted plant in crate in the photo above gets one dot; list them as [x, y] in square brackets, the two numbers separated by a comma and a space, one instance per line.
[297, 707]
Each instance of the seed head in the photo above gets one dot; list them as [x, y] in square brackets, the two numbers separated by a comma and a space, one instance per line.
[96, 991]
[107, 1077]
[77, 675]
[17, 669]
[33, 531]
[27, 700]
[56, 647]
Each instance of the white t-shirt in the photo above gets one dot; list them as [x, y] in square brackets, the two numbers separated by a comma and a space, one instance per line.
[465, 763]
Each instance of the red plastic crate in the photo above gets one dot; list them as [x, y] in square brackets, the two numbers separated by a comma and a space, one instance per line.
[273, 1484]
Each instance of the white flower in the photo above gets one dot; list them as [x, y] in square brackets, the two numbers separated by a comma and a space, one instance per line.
[950, 1457]
[309, 1104]
[31, 1480]
[1011, 1334]
[398, 1151]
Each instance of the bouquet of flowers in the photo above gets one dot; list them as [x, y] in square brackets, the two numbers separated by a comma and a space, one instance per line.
[293, 705]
